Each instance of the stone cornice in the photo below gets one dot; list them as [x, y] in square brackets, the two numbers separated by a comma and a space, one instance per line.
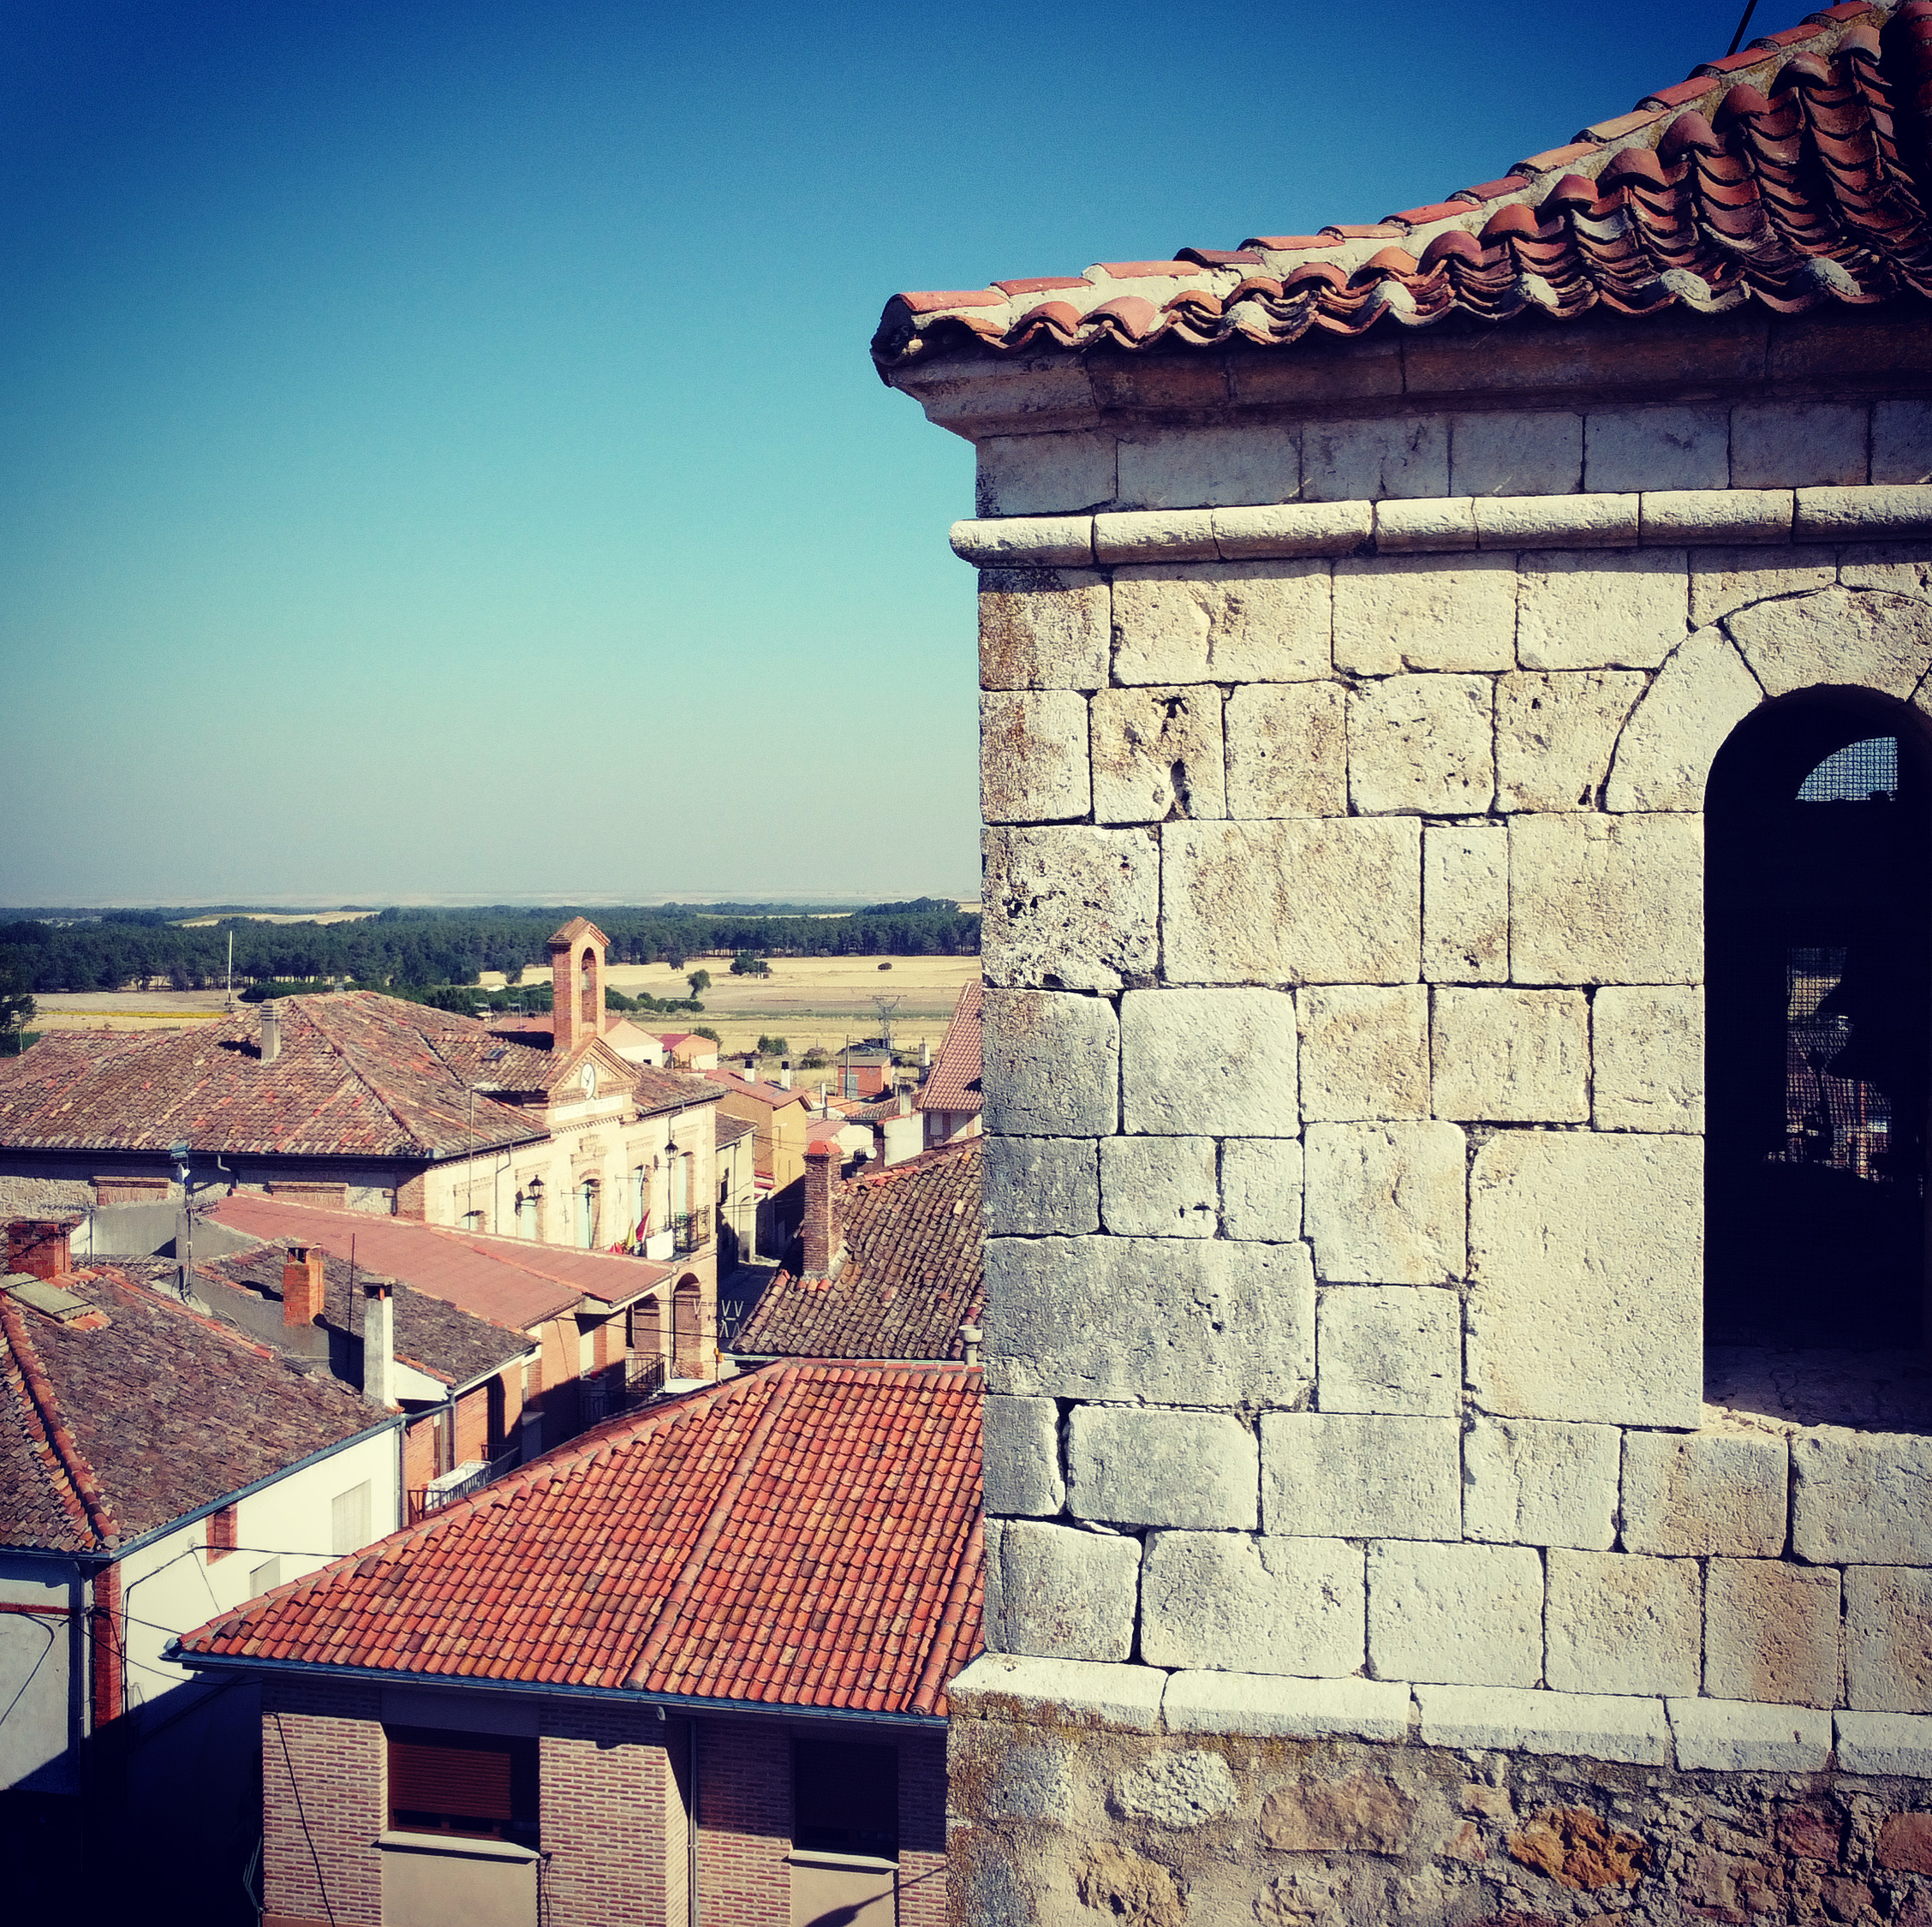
[1675, 518]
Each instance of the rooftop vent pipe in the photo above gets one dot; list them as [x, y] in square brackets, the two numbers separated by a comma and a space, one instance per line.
[271, 1034]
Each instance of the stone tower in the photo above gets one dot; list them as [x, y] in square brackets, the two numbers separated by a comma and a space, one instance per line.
[1440, 1463]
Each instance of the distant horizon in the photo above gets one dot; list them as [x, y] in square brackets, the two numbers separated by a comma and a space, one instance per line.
[322, 906]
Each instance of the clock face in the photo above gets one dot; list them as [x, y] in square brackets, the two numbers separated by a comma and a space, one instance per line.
[589, 1080]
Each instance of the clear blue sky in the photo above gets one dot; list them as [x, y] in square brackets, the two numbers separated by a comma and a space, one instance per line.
[438, 452]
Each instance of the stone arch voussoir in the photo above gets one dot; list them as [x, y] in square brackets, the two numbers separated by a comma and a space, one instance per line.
[1669, 741]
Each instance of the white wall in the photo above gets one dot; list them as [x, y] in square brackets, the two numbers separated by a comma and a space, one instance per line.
[33, 1676]
[172, 1586]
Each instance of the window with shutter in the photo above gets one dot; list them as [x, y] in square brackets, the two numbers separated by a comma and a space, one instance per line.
[481, 1785]
[349, 1520]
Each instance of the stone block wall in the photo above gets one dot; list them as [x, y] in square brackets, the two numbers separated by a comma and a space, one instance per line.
[1344, 1075]
[1203, 1801]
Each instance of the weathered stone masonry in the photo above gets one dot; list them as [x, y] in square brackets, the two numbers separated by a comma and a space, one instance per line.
[1348, 1471]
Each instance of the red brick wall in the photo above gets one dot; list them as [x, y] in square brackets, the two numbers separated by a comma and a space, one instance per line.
[410, 1200]
[419, 1452]
[472, 1425]
[922, 1799]
[603, 1777]
[613, 1787]
[322, 1803]
[744, 1822]
[744, 1775]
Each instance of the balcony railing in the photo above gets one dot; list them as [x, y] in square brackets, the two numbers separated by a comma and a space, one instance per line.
[457, 1483]
[602, 1395]
[690, 1232]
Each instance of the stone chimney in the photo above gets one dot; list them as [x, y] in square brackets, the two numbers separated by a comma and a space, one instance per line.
[969, 1337]
[379, 1343]
[271, 1034]
[825, 1239]
[303, 1284]
[41, 1247]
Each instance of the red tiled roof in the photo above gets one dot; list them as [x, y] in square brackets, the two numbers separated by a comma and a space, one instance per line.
[776, 1096]
[111, 1429]
[430, 1334]
[510, 1281]
[807, 1535]
[954, 1082]
[1793, 173]
[540, 1027]
[911, 1274]
[358, 1075]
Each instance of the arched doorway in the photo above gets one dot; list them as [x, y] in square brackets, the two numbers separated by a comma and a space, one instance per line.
[1818, 918]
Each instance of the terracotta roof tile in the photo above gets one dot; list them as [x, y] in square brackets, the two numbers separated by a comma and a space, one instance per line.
[358, 1074]
[152, 1414]
[1815, 188]
[774, 1095]
[953, 1084]
[911, 1275]
[509, 1281]
[434, 1336]
[807, 1535]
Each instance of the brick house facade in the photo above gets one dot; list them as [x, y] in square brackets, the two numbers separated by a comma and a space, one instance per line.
[745, 1607]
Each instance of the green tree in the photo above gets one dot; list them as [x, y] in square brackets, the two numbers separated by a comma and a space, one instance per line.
[17, 1005]
[773, 1047]
[700, 981]
[745, 963]
[705, 1030]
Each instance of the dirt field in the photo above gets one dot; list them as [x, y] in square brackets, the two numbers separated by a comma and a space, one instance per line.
[279, 916]
[807, 1000]
[125, 1010]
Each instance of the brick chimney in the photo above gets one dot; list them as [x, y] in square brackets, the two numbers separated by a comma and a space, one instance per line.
[303, 1284]
[40, 1246]
[824, 1237]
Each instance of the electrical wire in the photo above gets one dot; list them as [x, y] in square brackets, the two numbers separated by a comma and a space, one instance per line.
[33, 1670]
[1741, 25]
[288, 1760]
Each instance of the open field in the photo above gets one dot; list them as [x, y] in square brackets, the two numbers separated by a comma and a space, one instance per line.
[806, 1000]
[278, 916]
[125, 1010]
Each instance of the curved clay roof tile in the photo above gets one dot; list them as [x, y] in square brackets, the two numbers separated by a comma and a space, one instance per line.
[1513, 219]
[1634, 164]
[1859, 43]
[1132, 315]
[1390, 260]
[1743, 103]
[1454, 245]
[1805, 70]
[1688, 133]
[1573, 190]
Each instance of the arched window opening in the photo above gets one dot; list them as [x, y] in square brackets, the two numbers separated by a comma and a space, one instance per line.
[587, 990]
[529, 1210]
[1818, 903]
[586, 1213]
[687, 1328]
